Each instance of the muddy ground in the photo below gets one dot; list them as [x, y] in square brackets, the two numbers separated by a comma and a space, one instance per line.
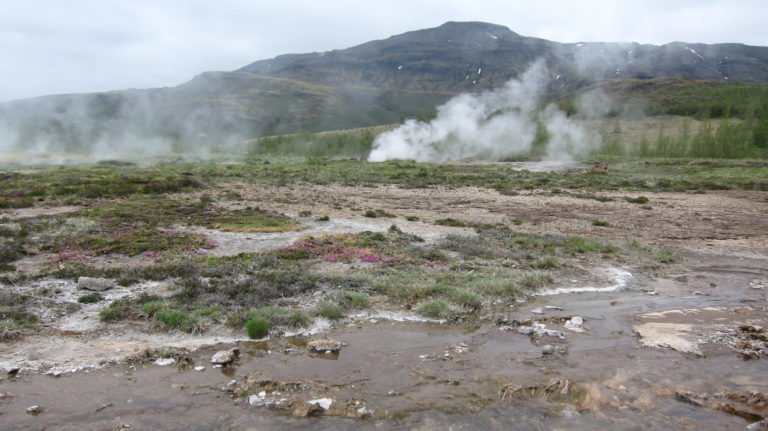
[683, 348]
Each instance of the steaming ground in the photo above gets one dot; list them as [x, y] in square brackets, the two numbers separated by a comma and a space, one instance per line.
[504, 122]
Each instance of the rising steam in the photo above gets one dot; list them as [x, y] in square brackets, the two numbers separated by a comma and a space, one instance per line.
[491, 125]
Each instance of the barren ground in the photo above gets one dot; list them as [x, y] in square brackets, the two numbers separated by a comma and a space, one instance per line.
[679, 349]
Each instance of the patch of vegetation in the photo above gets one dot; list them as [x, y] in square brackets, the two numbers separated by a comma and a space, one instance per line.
[600, 223]
[247, 220]
[451, 222]
[257, 328]
[90, 298]
[353, 299]
[377, 213]
[435, 309]
[97, 182]
[638, 200]
[329, 310]
[175, 319]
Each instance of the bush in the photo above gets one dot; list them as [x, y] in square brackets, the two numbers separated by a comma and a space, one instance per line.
[113, 313]
[467, 299]
[298, 319]
[257, 328]
[90, 298]
[436, 309]
[329, 310]
[357, 299]
[173, 319]
[638, 200]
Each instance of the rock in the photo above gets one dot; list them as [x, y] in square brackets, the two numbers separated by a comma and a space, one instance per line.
[540, 331]
[317, 406]
[324, 345]
[95, 284]
[223, 357]
[547, 349]
[199, 368]
[323, 403]
[164, 361]
[576, 323]
[34, 410]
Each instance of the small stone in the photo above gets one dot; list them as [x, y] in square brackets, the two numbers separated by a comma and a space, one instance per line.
[324, 345]
[392, 393]
[34, 410]
[323, 403]
[576, 322]
[548, 349]
[164, 361]
[199, 368]
[223, 357]
[364, 412]
[95, 283]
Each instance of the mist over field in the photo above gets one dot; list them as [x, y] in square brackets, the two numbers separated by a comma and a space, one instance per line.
[492, 125]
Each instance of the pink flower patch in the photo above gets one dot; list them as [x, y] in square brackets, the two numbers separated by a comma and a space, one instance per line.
[370, 258]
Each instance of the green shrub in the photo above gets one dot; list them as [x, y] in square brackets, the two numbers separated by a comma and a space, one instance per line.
[329, 310]
[467, 299]
[357, 299]
[298, 319]
[113, 313]
[550, 262]
[174, 319]
[257, 328]
[150, 308]
[451, 222]
[638, 200]
[90, 298]
[436, 309]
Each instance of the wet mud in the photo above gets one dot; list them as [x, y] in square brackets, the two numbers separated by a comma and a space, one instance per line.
[417, 375]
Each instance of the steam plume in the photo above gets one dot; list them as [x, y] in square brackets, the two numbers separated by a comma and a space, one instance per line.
[491, 125]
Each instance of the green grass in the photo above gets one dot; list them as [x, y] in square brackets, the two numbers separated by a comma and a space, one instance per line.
[23, 189]
[257, 328]
[175, 319]
[90, 298]
[451, 222]
[377, 213]
[356, 299]
[329, 310]
[638, 200]
[435, 309]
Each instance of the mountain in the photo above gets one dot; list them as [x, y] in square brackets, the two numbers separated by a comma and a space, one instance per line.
[378, 82]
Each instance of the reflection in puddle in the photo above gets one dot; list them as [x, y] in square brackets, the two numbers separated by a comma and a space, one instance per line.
[333, 356]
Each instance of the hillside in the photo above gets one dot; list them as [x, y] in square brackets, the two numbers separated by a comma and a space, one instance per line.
[379, 82]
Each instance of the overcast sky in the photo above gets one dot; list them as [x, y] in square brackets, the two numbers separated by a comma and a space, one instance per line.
[57, 46]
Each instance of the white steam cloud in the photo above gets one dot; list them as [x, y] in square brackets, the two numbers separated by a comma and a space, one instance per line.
[492, 125]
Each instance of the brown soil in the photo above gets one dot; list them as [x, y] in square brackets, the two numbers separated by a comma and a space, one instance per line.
[713, 222]
[707, 314]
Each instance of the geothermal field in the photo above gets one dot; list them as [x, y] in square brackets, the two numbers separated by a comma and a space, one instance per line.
[454, 228]
[384, 295]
